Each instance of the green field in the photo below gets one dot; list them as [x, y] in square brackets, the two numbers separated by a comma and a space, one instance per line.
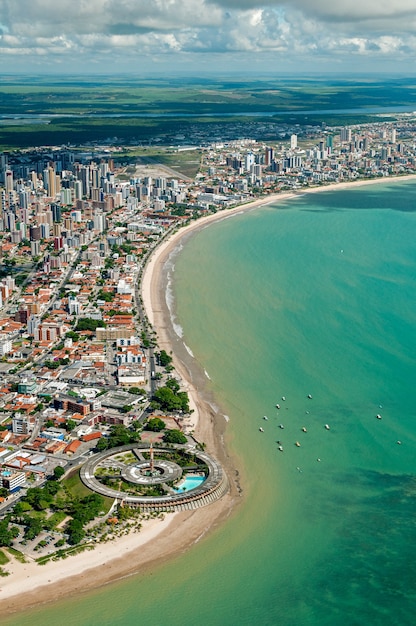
[77, 488]
[123, 95]
[79, 110]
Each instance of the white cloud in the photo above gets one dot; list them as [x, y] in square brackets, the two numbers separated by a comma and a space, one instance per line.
[133, 30]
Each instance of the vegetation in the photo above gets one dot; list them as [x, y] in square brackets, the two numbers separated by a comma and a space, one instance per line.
[210, 98]
[164, 358]
[155, 424]
[138, 391]
[58, 472]
[119, 436]
[174, 436]
[87, 323]
[170, 399]
[107, 296]
[53, 365]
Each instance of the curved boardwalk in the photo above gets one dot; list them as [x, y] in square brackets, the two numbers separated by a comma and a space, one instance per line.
[214, 486]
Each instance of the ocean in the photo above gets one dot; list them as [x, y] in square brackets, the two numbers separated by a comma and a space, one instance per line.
[312, 296]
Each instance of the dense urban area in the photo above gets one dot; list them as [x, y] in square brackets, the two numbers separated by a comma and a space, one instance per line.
[81, 370]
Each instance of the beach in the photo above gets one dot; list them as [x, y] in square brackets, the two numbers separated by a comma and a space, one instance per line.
[30, 584]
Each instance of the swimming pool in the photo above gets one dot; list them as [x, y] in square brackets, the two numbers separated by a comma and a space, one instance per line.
[190, 482]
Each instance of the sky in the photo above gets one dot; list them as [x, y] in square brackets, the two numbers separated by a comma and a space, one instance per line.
[205, 36]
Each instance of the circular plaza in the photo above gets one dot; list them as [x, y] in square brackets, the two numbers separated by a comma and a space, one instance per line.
[164, 478]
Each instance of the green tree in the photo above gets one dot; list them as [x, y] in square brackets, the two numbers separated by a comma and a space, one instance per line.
[87, 323]
[76, 532]
[138, 391]
[173, 384]
[6, 536]
[174, 436]
[58, 472]
[155, 424]
[70, 425]
[33, 527]
[102, 444]
[164, 358]
[167, 399]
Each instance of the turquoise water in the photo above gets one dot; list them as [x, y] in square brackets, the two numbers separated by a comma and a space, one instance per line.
[314, 296]
[190, 482]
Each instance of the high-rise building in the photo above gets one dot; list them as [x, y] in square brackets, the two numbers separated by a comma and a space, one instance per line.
[345, 134]
[9, 180]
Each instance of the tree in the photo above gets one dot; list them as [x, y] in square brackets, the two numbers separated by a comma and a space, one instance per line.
[167, 400]
[138, 391]
[102, 444]
[75, 531]
[173, 384]
[6, 536]
[174, 436]
[155, 424]
[87, 323]
[164, 358]
[58, 472]
[70, 425]
[33, 527]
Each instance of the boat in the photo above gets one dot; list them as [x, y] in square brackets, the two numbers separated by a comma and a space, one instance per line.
[309, 396]
[280, 448]
[281, 426]
[378, 416]
[265, 417]
[261, 429]
[297, 444]
[327, 426]
[283, 398]
[277, 406]
[304, 429]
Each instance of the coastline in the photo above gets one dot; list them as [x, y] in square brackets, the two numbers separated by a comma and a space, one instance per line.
[30, 585]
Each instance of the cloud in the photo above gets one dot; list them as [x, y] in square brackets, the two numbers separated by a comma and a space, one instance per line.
[130, 30]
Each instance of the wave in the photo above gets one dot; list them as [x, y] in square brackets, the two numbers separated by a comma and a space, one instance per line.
[188, 349]
[169, 297]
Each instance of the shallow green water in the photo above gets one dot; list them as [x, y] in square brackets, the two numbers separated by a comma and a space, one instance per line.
[315, 296]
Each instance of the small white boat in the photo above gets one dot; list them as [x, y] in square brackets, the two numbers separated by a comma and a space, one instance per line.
[327, 426]
[283, 398]
[297, 444]
[304, 429]
[261, 429]
[309, 396]
[378, 416]
[265, 417]
[400, 443]
[281, 426]
[277, 406]
[280, 448]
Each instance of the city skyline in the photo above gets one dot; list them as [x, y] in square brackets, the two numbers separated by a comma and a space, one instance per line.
[198, 36]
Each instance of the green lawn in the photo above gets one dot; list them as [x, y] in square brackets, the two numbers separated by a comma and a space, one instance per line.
[75, 485]
[3, 558]
[77, 488]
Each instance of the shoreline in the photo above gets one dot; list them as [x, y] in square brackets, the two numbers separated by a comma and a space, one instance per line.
[30, 585]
